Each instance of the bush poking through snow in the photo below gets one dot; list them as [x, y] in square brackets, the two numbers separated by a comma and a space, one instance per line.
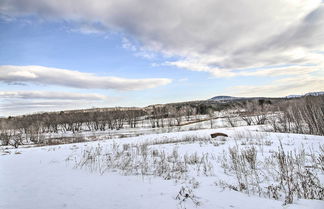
[243, 163]
[186, 194]
[142, 160]
[277, 174]
[296, 180]
[289, 176]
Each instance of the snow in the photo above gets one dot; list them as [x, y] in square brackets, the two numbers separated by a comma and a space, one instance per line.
[43, 177]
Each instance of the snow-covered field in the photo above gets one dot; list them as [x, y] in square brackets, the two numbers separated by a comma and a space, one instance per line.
[184, 169]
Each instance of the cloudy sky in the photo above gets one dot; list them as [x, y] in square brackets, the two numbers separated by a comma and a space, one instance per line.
[67, 54]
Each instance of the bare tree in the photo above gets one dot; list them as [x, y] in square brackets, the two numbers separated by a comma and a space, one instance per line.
[210, 112]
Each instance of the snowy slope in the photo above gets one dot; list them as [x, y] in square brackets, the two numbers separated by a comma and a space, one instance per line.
[48, 177]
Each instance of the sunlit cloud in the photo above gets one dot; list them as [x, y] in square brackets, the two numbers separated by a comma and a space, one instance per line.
[50, 95]
[281, 87]
[70, 78]
[214, 36]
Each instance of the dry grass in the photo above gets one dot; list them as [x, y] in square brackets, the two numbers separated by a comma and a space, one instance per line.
[283, 175]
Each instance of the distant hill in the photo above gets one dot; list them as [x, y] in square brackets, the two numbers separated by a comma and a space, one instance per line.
[293, 96]
[223, 98]
[230, 98]
[318, 93]
[315, 93]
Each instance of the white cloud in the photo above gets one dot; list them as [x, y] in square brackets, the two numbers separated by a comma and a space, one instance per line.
[49, 95]
[281, 71]
[220, 37]
[20, 102]
[215, 36]
[70, 78]
[183, 79]
[89, 29]
[137, 50]
[282, 87]
[23, 106]
[128, 45]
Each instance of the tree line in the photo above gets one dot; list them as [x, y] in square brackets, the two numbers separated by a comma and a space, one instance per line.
[302, 115]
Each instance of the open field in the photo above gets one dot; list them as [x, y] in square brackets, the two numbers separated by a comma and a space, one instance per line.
[165, 157]
[184, 169]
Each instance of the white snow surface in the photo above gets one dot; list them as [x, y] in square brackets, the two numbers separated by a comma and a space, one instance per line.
[42, 177]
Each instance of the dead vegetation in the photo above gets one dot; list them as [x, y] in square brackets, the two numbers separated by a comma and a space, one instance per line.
[303, 116]
[143, 159]
[140, 161]
[285, 176]
[276, 174]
